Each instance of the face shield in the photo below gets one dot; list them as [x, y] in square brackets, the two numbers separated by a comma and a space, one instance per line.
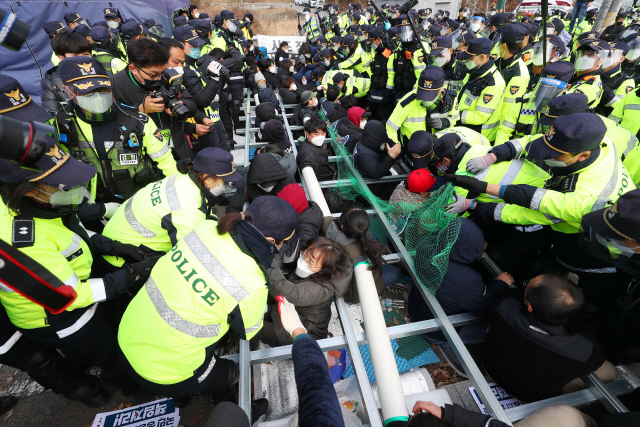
[613, 58]
[425, 24]
[634, 50]
[444, 30]
[441, 57]
[406, 35]
[631, 29]
[545, 91]
[476, 23]
[68, 199]
[616, 251]
[456, 39]
[550, 30]
[587, 59]
[156, 30]
[538, 60]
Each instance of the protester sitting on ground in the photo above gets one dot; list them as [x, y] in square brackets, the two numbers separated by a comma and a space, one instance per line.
[264, 112]
[538, 346]
[268, 69]
[65, 45]
[323, 272]
[285, 70]
[351, 128]
[309, 213]
[312, 152]
[462, 289]
[289, 91]
[306, 109]
[286, 160]
[332, 99]
[269, 95]
[266, 177]
[374, 156]
[273, 132]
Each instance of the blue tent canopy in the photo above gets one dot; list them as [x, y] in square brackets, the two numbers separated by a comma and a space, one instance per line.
[31, 62]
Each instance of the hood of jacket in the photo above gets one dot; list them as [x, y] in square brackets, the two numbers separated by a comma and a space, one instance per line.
[470, 244]
[354, 115]
[265, 168]
[337, 113]
[266, 111]
[268, 95]
[274, 133]
[312, 215]
[374, 134]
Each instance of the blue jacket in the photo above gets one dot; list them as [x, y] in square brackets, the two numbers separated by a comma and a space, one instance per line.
[462, 288]
[318, 402]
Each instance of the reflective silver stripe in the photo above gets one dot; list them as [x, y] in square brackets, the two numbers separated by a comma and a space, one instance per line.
[614, 118]
[491, 126]
[611, 184]
[82, 320]
[537, 198]
[509, 100]
[415, 119]
[463, 117]
[485, 110]
[133, 222]
[98, 290]
[467, 93]
[174, 320]
[632, 107]
[5, 288]
[512, 172]
[587, 270]
[161, 152]
[613, 101]
[517, 145]
[420, 67]
[508, 124]
[72, 281]
[392, 126]
[217, 270]
[254, 327]
[73, 246]
[209, 368]
[389, 69]
[553, 219]
[389, 86]
[364, 84]
[376, 97]
[236, 78]
[108, 145]
[10, 342]
[630, 145]
[366, 65]
[497, 212]
[172, 195]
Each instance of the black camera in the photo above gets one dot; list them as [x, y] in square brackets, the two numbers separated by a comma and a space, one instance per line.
[23, 142]
[13, 32]
[169, 92]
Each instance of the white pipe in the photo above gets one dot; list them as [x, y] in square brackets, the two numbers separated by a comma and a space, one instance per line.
[382, 356]
[315, 192]
[255, 98]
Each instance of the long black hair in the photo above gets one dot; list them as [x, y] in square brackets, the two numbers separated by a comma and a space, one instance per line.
[354, 221]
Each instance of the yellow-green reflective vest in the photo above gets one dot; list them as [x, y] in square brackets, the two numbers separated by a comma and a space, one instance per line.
[185, 306]
[467, 135]
[484, 109]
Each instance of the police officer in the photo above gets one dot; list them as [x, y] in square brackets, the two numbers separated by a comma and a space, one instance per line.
[510, 64]
[52, 28]
[105, 51]
[116, 139]
[224, 37]
[586, 25]
[211, 283]
[310, 27]
[585, 174]
[73, 20]
[155, 30]
[428, 106]
[419, 150]
[351, 85]
[165, 211]
[556, 50]
[615, 84]
[589, 58]
[525, 111]
[359, 59]
[480, 99]
[380, 91]
[38, 217]
[408, 60]
[463, 13]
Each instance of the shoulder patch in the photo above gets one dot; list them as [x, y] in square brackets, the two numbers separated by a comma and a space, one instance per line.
[158, 135]
[514, 89]
[408, 100]
[487, 98]
[628, 89]
[578, 91]
[23, 233]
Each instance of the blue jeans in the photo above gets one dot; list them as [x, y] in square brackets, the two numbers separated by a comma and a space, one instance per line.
[578, 13]
[391, 275]
[475, 333]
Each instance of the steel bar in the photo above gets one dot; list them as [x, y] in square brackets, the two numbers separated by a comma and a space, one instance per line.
[602, 393]
[383, 180]
[244, 395]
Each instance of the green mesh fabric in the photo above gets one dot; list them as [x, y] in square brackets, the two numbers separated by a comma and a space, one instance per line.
[428, 233]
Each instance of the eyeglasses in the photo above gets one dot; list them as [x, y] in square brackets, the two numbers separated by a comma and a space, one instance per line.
[154, 77]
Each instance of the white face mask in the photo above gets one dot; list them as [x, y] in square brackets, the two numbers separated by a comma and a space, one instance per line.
[585, 63]
[180, 70]
[475, 27]
[313, 103]
[225, 189]
[96, 103]
[232, 27]
[442, 60]
[318, 140]
[470, 65]
[294, 87]
[304, 81]
[492, 13]
[465, 14]
[266, 189]
[197, 15]
[113, 24]
[363, 124]
[291, 69]
[302, 269]
[272, 69]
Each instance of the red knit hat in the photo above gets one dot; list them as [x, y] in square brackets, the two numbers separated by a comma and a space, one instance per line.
[420, 180]
[295, 195]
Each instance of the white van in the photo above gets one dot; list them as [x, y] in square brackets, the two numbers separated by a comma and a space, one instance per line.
[533, 6]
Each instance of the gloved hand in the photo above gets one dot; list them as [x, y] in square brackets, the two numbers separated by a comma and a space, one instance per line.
[217, 69]
[434, 122]
[459, 206]
[480, 164]
[288, 315]
[139, 272]
[127, 252]
[387, 25]
[110, 209]
[469, 183]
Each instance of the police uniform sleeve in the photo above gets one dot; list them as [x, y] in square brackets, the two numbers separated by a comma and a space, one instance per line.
[508, 125]
[353, 60]
[592, 87]
[391, 72]
[490, 99]
[396, 120]
[626, 87]
[158, 150]
[180, 223]
[618, 110]
[512, 214]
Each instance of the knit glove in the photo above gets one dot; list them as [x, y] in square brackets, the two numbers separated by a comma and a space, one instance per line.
[438, 123]
[288, 315]
[469, 183]
[129, 253]
[110, 209]
[480, 164]
[460, 205]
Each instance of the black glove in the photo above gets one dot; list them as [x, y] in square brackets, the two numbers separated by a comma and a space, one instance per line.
[435, 123]
[127, 252]
[473, 185]
[139, 272]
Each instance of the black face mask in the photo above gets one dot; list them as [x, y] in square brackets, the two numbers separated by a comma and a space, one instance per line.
[152, 84]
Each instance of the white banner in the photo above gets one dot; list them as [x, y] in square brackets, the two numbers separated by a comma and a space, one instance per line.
[272, 43]
[161, 413]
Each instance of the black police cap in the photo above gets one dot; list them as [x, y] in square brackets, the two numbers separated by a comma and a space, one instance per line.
[83, 74]
[441, 42]
[420, 148]
[83, 30]
[376, 33]
[110, 12]
[53, 27]
[620, 221]
[434, 30]
[561, 70]
[133, 29]
[430, 82]
[17, 104]
[478, 46]
[514, 32]
[575, 133]
[591, 35]
[100, 35]
[188, 34]
[499, 19]
[180, 21]
[70, 17]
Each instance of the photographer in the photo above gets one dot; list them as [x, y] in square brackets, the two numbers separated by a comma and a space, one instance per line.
[132, 86]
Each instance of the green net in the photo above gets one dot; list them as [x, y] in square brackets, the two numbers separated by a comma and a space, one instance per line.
[427, 232]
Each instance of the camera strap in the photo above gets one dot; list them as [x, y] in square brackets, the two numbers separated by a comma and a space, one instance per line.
[27, 277]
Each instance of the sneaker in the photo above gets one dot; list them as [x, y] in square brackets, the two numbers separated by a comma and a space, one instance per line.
[7, 402]
[396, 289]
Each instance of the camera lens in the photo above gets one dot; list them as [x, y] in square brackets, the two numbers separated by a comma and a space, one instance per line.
[179, 111]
